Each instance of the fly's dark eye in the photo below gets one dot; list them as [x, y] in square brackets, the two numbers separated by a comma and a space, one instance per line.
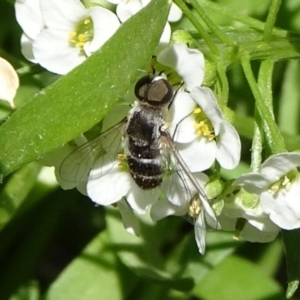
[155, 91]
[141, 87]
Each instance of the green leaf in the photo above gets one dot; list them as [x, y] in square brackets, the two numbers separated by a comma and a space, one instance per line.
[291, 247]
[93, 275]
[142, 254]
[77, 101]
[236, 278]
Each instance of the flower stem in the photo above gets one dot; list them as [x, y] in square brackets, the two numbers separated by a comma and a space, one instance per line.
[206, 37]
[274, 8]
[272, 133]
[211, 25]
[223, 84]
[256, 149]
[253, 23]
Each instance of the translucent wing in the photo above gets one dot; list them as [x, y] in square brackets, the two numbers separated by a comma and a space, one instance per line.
[77, 165]
[189, 186]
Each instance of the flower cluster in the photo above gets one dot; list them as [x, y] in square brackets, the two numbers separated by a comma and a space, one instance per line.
[60, 35]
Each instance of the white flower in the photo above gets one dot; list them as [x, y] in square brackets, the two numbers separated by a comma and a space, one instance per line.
[278, 185]
[243, 213]
[9, 82]
[198, 126]
[110, 181]
[128, 8]
[183, 199]
[60, 35]
[55, 158]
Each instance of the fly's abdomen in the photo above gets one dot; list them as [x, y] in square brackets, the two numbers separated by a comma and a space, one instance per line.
[147, 173]
[143, 148]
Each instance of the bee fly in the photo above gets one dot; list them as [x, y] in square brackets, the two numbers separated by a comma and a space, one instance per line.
[146, 143]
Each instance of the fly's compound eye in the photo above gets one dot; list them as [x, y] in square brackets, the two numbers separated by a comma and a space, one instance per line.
[156, 91]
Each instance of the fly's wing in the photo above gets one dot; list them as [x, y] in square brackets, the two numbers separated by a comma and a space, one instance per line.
[77, 165]
[189, 187]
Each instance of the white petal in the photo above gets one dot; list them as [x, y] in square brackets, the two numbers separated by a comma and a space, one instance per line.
[207, 101]
[62, 15]
[229, 146]
[200, 233]
[130, 221]
[178, 190]
[182, 119]
[278, 165]
[162, 209]
[283, 206]
[252, 234]
[115, 1]
[188, 63]
[29, 17]
[26, 48]
[253, 183]
[52, 51]
[164, 39]
[127, 9]
[109, 188]
[175, 13]
[140, 199]
[9, 82]
[210, 216]
[105, 25]
[198, 155]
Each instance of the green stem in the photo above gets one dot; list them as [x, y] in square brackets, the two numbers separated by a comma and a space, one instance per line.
[206, 37]
[211, 25]
[273, 11]
[272, 132]
[223, 84]
[265, 83]
[257, 141]
[238, 17]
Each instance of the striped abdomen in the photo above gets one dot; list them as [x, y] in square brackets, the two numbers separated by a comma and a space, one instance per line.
[143, 147]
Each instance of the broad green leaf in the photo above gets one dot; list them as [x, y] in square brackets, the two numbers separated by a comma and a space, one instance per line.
[142, 254]
[16, 190]
[77, 101]
[236, 278]
[91, 276]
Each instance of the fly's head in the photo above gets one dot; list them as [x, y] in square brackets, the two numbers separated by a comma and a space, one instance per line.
[154, 91]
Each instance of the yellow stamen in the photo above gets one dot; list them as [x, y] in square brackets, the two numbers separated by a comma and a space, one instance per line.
[197, 110]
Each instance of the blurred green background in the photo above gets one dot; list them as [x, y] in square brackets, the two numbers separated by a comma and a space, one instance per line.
[56, 244]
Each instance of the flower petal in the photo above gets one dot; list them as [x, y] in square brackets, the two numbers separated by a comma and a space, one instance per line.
[229, 146]
[283, 206]
[253, 183]
[109, 188]
[198, 155]
[26, 48]
[130, 221]
[140, 199]
[162, 209]
[182, 122]
[164, 39]
[200, 233]
[63, 59]
[188, 63]
[29, 17]
[9, 82]
[127, 9]
[105, 25]
[280, 164]
[175, 13]
[62, 15]
[207, 101]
